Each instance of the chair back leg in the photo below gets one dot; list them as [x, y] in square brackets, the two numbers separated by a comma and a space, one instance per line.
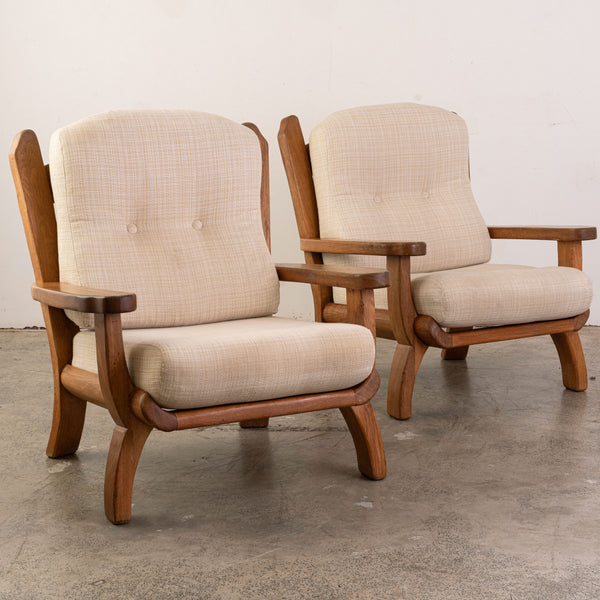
[459, 353]
[68, 414]
[68, 418]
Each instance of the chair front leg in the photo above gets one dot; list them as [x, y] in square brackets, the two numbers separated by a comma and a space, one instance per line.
[572, 360]
[403, 373]
[130, 433]
[410, 349]
[123, 456]
[568, 345]
[366, 436]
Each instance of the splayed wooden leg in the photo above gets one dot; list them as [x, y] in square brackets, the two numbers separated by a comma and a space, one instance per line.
[365, 432]
[572, 360]
[405, 365]
[123, 456]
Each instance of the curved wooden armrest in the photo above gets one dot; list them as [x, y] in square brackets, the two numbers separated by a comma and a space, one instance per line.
[82, 299]
[559, 233]
[354, 278]
[360, 247]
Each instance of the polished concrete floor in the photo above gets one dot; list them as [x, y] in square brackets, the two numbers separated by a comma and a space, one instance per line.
[493, 492]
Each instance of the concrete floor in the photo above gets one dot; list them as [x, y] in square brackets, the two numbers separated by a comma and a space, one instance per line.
[492, 492]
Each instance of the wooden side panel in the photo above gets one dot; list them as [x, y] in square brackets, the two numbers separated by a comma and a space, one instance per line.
[36, 205]
[265, 206]
[297, 167]
[296, 161]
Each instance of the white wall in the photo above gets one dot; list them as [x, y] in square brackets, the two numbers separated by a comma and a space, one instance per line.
[522, 73]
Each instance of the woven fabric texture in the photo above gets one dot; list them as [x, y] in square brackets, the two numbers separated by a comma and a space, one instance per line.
[398, 172]
[490, 295]
[240, 361]
[165, 204]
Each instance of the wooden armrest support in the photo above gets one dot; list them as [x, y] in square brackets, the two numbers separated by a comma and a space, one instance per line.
[559, 233]
[354, 278]
[82, 299]
[360, 247]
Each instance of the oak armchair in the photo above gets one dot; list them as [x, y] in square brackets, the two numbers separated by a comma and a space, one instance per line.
[389, 186]
[173, 206]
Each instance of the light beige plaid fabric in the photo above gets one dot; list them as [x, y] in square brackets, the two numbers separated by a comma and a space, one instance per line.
[490, 295]
[398, 172]
[240, 361]
[165, 204]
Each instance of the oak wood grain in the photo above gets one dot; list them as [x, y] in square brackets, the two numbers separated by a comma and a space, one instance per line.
[355, 278]
[36, 205]
[364, 428]
[151, 413]
[570, 254]
[148, 411]
[83, 384]
[130, 433]
[556, 233]
[572, 360]
[82, 299]
[296, 162]
[124, 454]
[265, 206]
[433, 335]
[233, 413]
[459, 353]
[361, 247]
[361, 308]
[338, 313]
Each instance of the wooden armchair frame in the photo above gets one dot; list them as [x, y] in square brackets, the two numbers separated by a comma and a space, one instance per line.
[401, 322]
[133, 410]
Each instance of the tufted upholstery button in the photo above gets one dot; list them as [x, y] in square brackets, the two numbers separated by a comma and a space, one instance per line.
[377, 199]
[132, 228]
[197, 225]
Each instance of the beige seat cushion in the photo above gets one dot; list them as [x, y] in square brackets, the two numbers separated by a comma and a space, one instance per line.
[398, 172]
[166, 204]
[240, 361]
[490, 295]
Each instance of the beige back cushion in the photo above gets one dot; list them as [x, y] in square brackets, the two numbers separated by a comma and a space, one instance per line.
[398, 172]
[165, 204]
